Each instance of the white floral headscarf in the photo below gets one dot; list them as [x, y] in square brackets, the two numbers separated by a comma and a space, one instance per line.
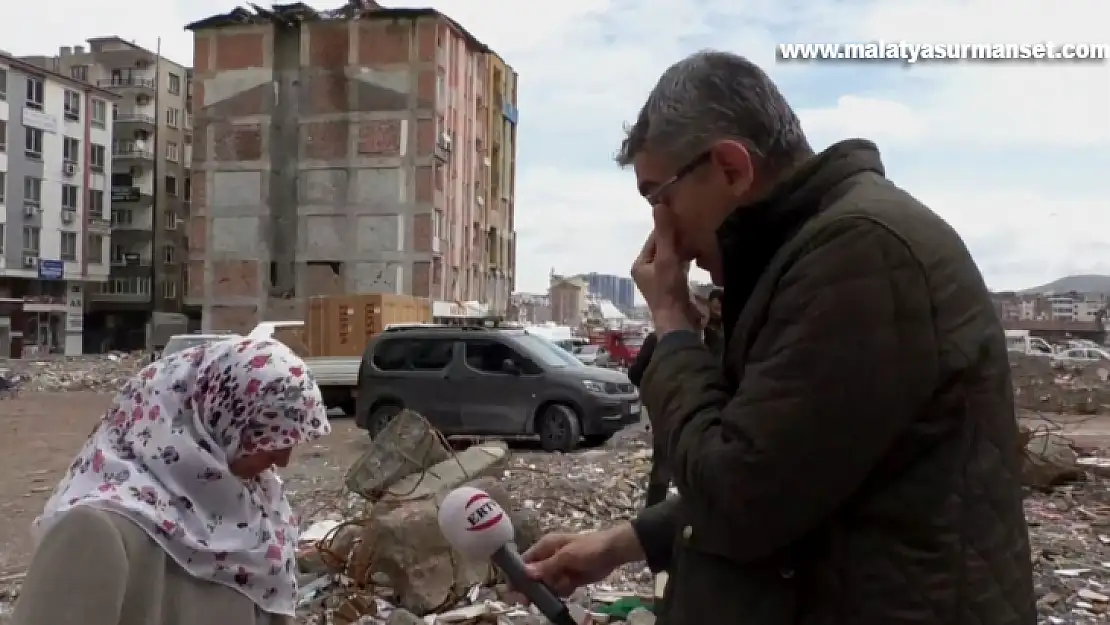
[160, 457]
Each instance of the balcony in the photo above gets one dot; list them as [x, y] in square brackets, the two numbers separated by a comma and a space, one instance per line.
[127, 82]
[141, 193]
[128, 150]
[136, 118]
[132, 219]
[129, 259]
[99, 225]
[121, 290]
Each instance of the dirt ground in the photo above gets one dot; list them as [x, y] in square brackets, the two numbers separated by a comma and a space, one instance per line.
[40, 433]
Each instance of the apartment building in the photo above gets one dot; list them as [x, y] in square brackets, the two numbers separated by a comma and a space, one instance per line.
[150, 184]
[620, 290]
[370, 154]
[568, 300]
[54, 181]
[1080, 307]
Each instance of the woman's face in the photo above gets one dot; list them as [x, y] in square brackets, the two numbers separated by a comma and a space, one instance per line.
[251, 466]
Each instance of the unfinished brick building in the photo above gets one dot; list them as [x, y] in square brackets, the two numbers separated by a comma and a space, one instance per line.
[369, 153]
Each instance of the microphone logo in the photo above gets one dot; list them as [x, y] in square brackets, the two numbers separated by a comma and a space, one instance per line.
[482, 512]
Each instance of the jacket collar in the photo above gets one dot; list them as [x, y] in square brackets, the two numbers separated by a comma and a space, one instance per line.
[753, 233]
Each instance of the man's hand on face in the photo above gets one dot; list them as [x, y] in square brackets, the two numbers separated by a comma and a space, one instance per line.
[661, 275]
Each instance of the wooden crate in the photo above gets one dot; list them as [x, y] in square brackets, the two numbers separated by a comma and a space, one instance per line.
[340, 325]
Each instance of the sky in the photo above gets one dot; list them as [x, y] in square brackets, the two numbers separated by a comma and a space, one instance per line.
[1014, 154]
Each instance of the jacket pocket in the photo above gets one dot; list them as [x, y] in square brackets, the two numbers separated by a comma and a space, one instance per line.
[704, 585]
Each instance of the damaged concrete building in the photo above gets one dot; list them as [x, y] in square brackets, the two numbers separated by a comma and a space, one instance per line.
[368, 150]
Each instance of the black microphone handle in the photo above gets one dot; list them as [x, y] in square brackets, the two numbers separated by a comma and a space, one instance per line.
[508, 560]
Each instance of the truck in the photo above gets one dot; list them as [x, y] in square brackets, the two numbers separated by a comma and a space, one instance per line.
[622, 345]
[1023, 342]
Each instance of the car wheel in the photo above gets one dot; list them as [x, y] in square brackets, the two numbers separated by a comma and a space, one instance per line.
[559, 428]
[380, 418]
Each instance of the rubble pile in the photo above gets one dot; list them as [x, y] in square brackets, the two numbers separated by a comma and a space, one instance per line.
[1044, 385]
[391, 563]
[104, 373]
[372, 552]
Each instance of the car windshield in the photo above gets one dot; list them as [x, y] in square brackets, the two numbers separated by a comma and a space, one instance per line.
[547, 351]
[178, 344]
[587, 349]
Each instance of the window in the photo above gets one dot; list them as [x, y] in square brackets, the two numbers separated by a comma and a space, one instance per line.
[99, 113]
[490, 357]
[69, 246]
[3, 135]
[36, 93]
[96, 157]
[32, 191]
[71, 150]
[73, 105]
[3, 84]
[543, 350]
[95, 208]
[413, 354]
[95, 251]
[69, 197]
[30, 239]
[171, 185]
[173, 117]
[1, 238]
[441, 88]
[171, 219]
[117, 254]
[188, 194]
[32, 145]
[175, 84]
[173, 152]
[169, 254]
[126, 286]
[3, 186]
[80, 72]
[169, 289]
[122, 216]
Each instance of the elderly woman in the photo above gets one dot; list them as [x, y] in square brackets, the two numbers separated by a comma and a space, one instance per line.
[171, 514]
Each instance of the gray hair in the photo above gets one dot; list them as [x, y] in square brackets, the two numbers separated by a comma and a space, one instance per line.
[712, 95]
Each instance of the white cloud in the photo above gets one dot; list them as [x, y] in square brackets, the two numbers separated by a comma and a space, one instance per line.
[586, 66]
[882, 121]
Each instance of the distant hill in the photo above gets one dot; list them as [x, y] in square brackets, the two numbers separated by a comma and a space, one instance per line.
[1087, 283]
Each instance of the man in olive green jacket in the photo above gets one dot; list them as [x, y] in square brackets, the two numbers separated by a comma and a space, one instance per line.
[852, 458]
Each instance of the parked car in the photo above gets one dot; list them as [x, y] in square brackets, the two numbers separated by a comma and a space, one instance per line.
[1081, 356]
[592, 355]
[491, 382]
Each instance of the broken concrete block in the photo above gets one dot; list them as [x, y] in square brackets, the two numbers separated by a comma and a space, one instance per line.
[1048, 460]
[403, 541]
[471, 463]
[408, 445]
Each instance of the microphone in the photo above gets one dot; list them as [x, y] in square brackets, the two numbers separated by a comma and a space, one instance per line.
[478, 528]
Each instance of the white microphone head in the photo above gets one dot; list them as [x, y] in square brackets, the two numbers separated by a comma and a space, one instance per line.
[474, 523]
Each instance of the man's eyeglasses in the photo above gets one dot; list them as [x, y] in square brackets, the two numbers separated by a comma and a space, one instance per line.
[685, 170]
[696, 162]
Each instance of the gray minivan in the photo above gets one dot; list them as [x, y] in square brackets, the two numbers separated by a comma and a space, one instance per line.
[476, 381]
